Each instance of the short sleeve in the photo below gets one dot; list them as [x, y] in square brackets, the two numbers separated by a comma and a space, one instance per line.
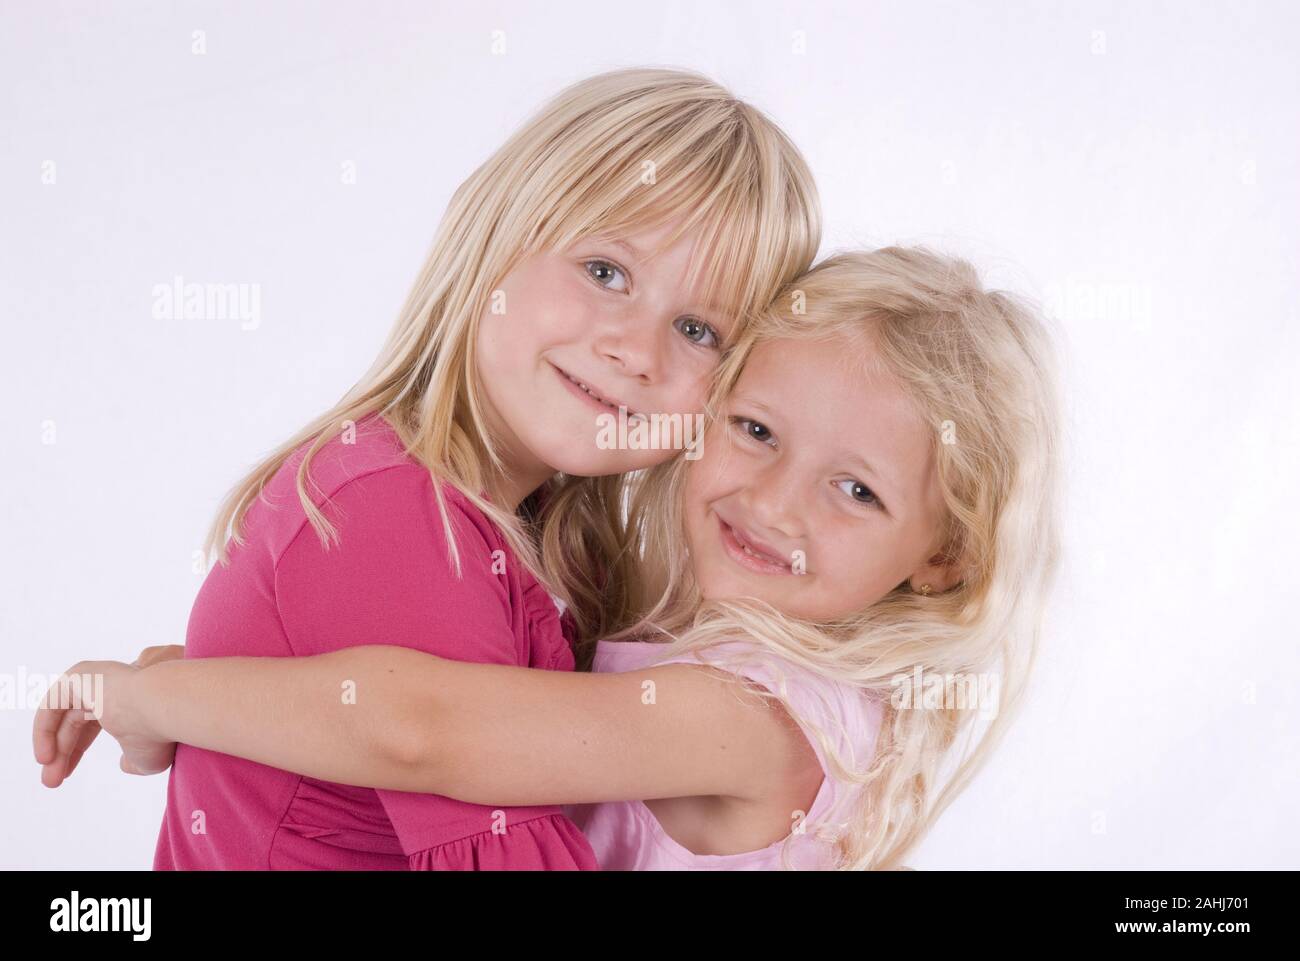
[389, 580]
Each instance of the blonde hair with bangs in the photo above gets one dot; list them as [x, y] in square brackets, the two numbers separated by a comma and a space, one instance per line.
[629, 148]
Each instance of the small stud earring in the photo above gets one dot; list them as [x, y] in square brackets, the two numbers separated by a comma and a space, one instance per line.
[925, 590]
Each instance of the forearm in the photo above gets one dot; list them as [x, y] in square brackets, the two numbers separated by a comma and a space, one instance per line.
[481, 733]
[339, 717]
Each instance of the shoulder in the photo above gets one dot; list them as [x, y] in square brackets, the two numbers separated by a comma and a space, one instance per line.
[400, 568]
[390, 537]
[814, 711]
[358, 449]
[362, 480]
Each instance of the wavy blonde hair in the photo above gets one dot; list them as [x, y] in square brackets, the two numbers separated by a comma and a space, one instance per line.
[979, 366]
[615, 152]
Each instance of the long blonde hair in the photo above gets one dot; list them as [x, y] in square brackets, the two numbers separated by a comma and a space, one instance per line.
[625, 149]
[979, 366]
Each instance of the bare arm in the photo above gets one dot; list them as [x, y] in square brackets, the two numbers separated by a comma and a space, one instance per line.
[481, 733]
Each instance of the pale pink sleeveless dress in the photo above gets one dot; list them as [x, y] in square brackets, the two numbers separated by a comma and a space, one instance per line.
[626, 836]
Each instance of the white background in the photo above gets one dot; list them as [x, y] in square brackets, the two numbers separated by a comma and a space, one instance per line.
[1134, 165]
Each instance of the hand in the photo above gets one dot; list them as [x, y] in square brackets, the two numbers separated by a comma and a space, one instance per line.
[90, 697]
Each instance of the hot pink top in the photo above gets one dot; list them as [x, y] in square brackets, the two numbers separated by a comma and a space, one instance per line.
[625, 834]
[387, 581]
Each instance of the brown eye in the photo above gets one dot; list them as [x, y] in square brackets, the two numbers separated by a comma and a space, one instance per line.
[859, 491]
[753, 429]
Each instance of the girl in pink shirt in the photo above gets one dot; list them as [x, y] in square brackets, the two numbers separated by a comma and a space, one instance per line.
[873, 511]
[569, 284]
[283, 596]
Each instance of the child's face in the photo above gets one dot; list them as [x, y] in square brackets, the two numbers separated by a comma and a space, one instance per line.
[785, 473]
[603, 315]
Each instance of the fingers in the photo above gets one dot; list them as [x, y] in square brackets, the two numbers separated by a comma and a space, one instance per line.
[44, 728]
[73, 736]
[70, 733]
[162, 652]
[63, 697]
[60, 731]
[88, 735]
[61, 767]
[148, 759]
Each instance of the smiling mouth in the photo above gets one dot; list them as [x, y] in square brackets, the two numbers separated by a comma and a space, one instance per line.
[744, 553]
[611, 405]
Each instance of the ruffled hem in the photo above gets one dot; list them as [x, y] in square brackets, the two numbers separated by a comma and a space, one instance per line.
[547, 843]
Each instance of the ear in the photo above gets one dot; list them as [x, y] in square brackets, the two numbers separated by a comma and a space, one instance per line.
[941, 571]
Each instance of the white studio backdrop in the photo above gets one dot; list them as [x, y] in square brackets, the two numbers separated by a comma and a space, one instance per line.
[1132, 165]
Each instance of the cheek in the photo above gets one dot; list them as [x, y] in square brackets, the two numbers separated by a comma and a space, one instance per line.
[687, 387]
[709, 476]
[694, 495]
[533, 309]
[557, 310]
[503, 357]
[511, 345]
[549, 322]
[857, 571]
[698, 493]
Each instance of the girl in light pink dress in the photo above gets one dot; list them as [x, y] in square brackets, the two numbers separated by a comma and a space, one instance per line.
[626, 836]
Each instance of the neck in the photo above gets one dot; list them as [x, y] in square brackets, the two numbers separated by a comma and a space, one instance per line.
[515, 483]
[521, 472]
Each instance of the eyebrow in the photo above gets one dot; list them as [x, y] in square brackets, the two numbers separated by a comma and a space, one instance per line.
[877, 475]
[635, 252]
[752, 402]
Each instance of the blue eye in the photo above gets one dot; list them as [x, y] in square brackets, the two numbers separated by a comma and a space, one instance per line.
[753, 429]
[603, 272]
[697, 331]
[859, 491]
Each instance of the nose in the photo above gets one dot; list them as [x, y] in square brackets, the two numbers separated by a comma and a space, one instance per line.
[630, 342]
[776, 498]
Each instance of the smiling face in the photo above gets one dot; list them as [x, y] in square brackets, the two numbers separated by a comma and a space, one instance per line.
[585, 330]
[819, 463]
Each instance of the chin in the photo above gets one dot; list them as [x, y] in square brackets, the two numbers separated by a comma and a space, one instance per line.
[593, 463]
[729, 586]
